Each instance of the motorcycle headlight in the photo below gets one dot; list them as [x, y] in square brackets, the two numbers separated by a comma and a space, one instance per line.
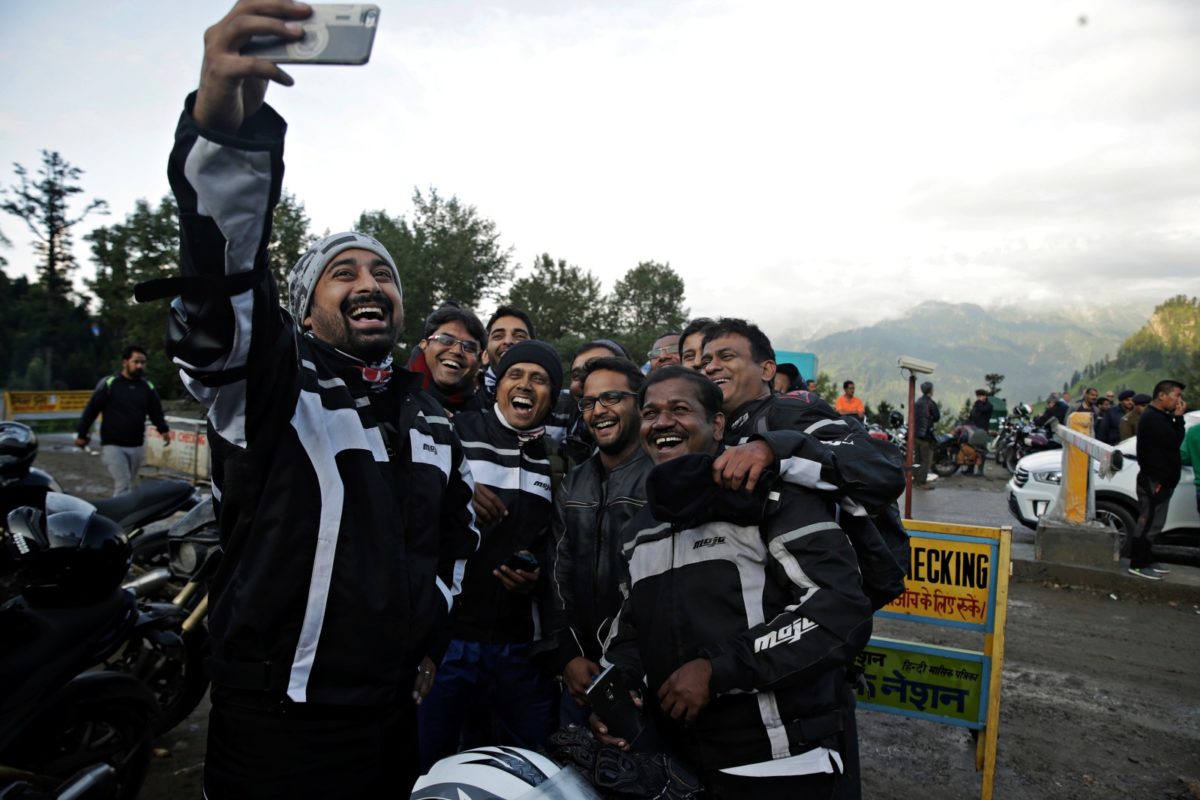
[1048, 477]
[186, 560]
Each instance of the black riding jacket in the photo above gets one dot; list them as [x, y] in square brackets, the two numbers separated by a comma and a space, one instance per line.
[518, 472]
[766, 587]
[125, 404]
[817, 448]
[344, 513]
[590, 512]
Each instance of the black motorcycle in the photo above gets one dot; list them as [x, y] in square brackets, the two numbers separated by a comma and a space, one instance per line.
[58, 714]
[170, 659]
[1027, 439]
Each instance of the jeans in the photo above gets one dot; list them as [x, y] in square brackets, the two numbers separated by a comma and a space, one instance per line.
[523, 699]
[1153, 498]
[123, 464]
[923, 455]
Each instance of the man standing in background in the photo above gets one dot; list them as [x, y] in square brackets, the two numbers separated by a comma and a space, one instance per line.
[1159, 435]
[925, 415]
[125, 399]
[848, 405]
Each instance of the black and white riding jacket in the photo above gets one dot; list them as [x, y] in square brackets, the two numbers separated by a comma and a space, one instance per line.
[766, 587]
[345, 514]
[517, 470]
[817, 448]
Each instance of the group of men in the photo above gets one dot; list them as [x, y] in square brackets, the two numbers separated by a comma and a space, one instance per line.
[404, 547]
[1116, 415]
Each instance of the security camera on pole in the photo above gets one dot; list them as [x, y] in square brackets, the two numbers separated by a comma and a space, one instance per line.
[914, 366]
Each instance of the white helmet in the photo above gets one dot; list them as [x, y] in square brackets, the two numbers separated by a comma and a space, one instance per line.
[485, 773]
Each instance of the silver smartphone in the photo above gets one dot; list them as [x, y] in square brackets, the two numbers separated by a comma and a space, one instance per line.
[336, 33]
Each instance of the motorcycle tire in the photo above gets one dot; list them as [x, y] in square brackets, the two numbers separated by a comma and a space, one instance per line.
[175, 675]
[110, 732]
[945, 463]
[1011, 457]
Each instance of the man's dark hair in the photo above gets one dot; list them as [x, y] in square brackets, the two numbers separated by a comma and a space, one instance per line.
[1162, 387]
[845, 384]
[610, 345]
[633, 374]
[698, 325]
[791, 371]
[760, 345]
[666, 334]
[980, 391]
[130, 349]
[511, 311]
[709, 395]
[451, 311]
[927, 387]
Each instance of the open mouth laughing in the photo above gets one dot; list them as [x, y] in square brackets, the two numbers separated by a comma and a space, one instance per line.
[665, 443]
[369, 314]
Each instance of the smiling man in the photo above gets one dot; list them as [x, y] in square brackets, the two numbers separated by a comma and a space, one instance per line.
[593, 505]
[448, 357]
[507, 326]
[340, 489]
[507, 597]
[743, 613]
[664, 352]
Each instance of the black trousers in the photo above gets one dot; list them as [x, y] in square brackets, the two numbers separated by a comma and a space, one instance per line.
[1153, 498]
[260, 749]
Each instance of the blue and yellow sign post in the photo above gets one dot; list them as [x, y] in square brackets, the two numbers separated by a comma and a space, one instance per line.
[958, 578]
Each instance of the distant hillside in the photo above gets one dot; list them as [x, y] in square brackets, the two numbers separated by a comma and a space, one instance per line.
[1036, 352]
[1167, 346]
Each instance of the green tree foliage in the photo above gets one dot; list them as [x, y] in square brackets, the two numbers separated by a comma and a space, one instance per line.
[290, 237]
[563, 300]
[143, 247]
[993, 381]
[825, 388]
[43, 205]
[43, 349]
[446, 251]
[645, 303]
[882, 412]
[1168, 340]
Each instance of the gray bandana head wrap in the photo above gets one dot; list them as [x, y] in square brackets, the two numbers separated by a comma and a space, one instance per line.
[302, 280]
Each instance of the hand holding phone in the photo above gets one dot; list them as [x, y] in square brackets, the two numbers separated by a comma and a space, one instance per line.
[523, 561]
[611, 700]
[336, 33]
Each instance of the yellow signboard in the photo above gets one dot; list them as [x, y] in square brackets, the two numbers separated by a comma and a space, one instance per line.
[17, 404]
[948, 580]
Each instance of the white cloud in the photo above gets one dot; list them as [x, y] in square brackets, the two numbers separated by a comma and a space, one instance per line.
[792, 160]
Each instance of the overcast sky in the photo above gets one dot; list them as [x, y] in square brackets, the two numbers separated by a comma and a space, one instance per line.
[798, 163]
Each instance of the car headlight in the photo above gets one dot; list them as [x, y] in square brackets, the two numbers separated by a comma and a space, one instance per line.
[1048, 477]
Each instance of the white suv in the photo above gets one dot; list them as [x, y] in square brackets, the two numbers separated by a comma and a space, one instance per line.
[1033, 490]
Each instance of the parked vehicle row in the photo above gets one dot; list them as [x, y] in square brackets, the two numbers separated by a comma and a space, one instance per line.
[1033, 492]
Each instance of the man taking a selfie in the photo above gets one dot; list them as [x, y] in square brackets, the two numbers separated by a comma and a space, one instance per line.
[341, 490]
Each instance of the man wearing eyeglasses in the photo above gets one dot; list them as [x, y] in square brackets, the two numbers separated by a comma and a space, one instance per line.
[664, 352]
[593, 505]
[507, 590]
[448, 357]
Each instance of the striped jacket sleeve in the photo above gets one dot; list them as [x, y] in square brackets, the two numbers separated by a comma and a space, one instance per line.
[229, 316]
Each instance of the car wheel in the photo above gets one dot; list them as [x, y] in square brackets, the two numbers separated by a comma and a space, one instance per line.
[1117, 516]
